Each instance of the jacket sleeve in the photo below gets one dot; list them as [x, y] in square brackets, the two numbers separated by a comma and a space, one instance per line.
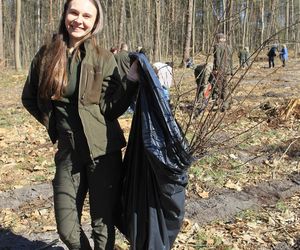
[116, 95]
[30, 91]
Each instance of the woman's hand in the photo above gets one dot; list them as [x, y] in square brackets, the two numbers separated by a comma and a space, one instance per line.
[133, 74]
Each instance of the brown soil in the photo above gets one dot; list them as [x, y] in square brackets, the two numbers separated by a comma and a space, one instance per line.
[26, 220]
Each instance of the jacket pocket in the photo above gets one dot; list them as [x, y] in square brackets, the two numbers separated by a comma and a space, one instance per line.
[91, 82]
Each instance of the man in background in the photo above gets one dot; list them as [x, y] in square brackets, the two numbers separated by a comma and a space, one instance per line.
[123, 61]
[222, 69]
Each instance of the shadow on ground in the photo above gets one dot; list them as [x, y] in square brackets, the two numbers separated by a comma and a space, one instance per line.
[11, 241]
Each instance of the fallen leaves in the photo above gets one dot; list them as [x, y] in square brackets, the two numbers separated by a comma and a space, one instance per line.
[231, 185]
[27, 158]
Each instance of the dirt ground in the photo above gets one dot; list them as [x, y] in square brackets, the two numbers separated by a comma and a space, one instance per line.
[240, 197]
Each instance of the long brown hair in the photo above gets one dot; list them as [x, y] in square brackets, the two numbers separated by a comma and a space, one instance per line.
[53, 73]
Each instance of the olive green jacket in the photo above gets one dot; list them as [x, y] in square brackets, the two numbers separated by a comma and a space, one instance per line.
[123, 62]
[102, 98]
[223, 59]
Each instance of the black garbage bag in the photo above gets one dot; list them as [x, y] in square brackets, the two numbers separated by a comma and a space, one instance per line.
[156, 162]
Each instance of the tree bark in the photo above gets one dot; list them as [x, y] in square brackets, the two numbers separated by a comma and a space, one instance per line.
[287, 19]
[121, 23]
[224, 12]
[1, 37]
[229, 30]
[245, 21]
[50, 16]
[188, 33]
[262, 18]
[156, 52]
[17, 35]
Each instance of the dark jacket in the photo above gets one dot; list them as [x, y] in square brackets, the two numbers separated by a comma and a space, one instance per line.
[223, 58]
[102, 98]
[272, 52]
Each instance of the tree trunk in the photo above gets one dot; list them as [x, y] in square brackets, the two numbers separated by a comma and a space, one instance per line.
[262, 11]
[224, 16]
[287, 19]
[38, 24]
[1, 37]
[188, 33]
[121, 23]
[50, 17]
[156, 55]
[298, 33]
[292, 31]
[208, 30]
[229, 30]
[245, 23]
[17, 35]
[203, 33]
[173, 29]
[193, 31]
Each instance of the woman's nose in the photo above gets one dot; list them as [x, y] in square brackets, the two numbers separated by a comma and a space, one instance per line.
[78, 19]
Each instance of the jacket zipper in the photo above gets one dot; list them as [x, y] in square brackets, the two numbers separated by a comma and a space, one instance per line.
[82, 98]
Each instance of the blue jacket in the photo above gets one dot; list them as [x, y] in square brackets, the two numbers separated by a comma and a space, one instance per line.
[284, 54]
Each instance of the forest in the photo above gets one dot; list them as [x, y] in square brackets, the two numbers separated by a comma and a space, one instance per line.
[243, 190]
[170, 30]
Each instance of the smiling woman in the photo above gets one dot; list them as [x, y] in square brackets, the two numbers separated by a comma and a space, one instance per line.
[74, 89]
[80, 20]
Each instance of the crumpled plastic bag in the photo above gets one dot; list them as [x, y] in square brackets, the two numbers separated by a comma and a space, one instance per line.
[156, 162]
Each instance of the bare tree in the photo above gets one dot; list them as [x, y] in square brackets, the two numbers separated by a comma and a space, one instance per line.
[156, 51]
[17, 35]
[1, 36]
[188, 35]
[224, 13]
[38, 23]
[262, 16]
[245, 22]
[287, 19]
[121, 22]
[50, 16]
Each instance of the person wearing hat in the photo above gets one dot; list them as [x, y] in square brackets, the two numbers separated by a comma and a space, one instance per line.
[222, 68]
[74, 89]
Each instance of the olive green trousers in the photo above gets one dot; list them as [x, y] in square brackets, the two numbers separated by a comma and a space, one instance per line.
[76, 176]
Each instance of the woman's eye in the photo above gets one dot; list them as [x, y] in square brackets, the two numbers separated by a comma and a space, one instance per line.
[72, 12]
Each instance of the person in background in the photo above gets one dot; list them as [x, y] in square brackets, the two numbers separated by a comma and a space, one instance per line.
[189, 63]
[222, 68]
[204, 81]
[123, 61]
[74, 89]
[165, 76]
[284, 55]
[271, 55]
[114, 50]
[243, 57]
[138, 49]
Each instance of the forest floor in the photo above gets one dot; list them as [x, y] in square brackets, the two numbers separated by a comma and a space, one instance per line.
[241, 197]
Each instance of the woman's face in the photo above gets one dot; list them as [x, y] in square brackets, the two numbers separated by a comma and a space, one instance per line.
[80, 19]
